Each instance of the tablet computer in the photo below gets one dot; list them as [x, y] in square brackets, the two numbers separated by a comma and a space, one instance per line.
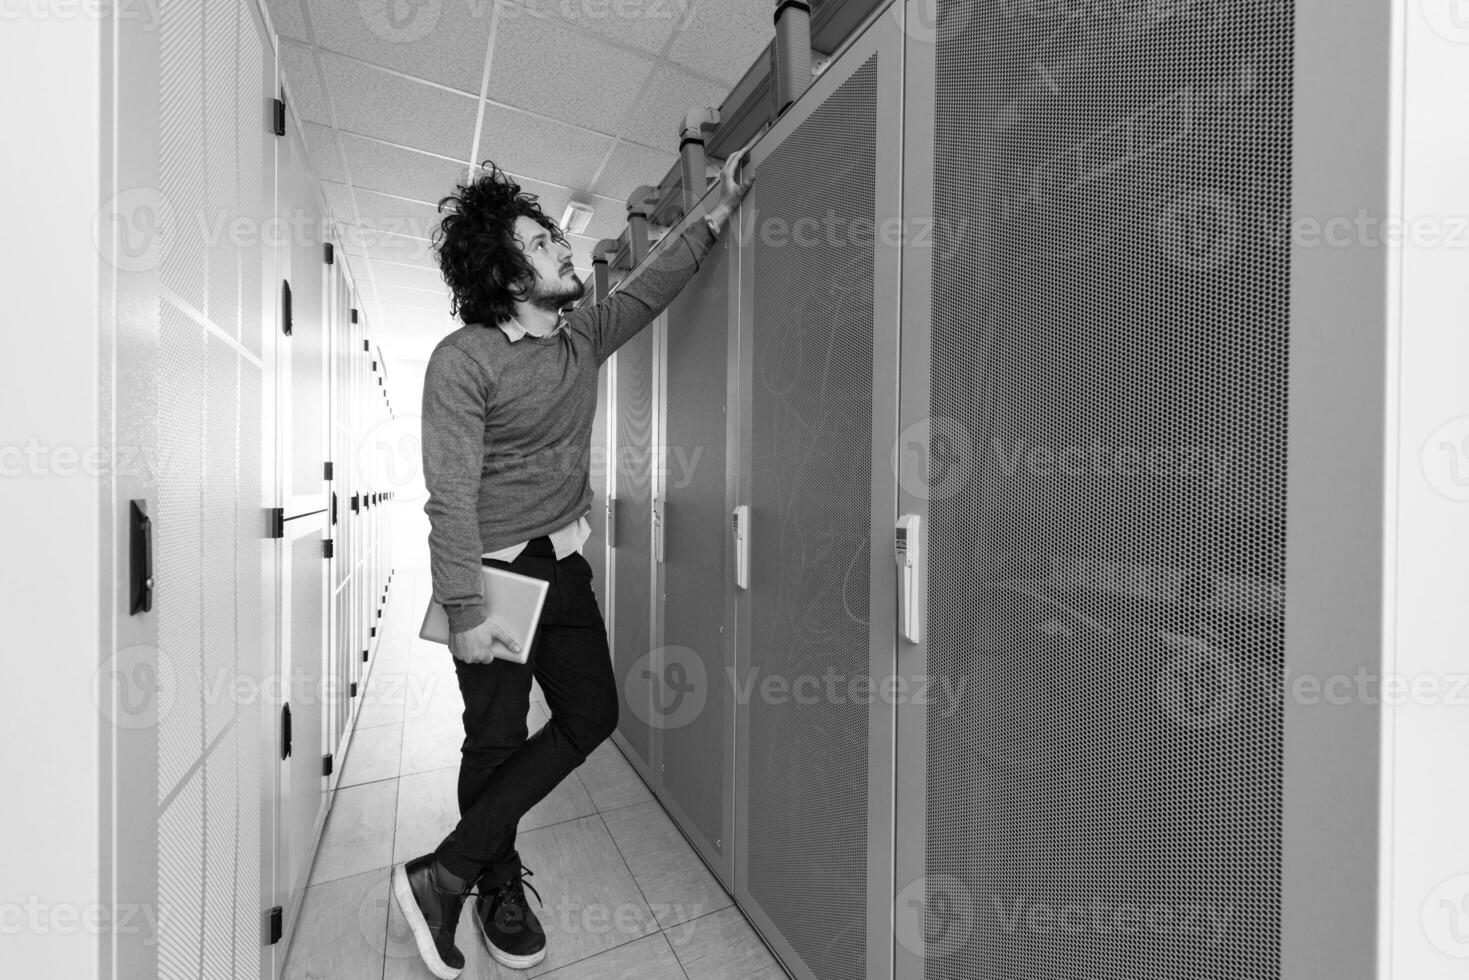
[515, 602]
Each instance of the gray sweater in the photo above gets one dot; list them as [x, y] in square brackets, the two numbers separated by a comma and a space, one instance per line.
[506, 428]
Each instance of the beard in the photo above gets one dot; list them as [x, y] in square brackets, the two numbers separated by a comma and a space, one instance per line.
[555, 296]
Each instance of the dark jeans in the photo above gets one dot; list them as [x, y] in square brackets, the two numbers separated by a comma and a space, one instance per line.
[502, 773]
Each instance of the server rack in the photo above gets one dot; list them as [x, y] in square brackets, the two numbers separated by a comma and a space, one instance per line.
[239, 374]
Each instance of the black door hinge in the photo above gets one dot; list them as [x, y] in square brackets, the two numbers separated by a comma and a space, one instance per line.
[326, 765]
[372, 631]
[278, 116]
[330, 254]
[327, 548]
[355, 503]
[353, 693]
[354, 314]
[364, 656]
[275, 925]
[327, 470]
[285, 307]
[285, 731]
[366, 346]
[275, 522]
[334, 508]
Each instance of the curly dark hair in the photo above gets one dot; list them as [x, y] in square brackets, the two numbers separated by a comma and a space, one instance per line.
[475, 245]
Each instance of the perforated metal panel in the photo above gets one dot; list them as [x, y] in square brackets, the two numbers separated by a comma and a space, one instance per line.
[177, 531]
[633, 555]
[1107, 499]
[695, 544]
[810, 507]
[181, 152]
[213, 73]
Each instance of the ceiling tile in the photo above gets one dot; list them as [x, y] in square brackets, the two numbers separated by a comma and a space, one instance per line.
[609, 217]
[432, 300]
[371, 241]
[339, 202]
[321, 148]
[395, 216]
[542, 66]
[442, 42]
[724, 37]
[285, 17]
[672, 93]
[553, 152]
[630, 166]
[308, 101]
[414, 276]
[405, 173]
[645, 24]
[390, 107]
[413, 332]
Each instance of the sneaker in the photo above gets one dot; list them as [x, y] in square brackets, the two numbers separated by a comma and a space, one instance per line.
[509, 929]
[432, 912]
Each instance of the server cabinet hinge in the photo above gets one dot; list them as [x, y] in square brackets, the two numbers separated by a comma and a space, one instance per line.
[372, 631]
[326, 764]
[286, 307]
[328, 549]
[329, 254]
[285, 731]
[278, 117]
[275, 522]
[354, 314]
[355, 503]
[327, 470]
[364, 656]
[334, 508]
[353, 693]
[366, 346]
[275, 923]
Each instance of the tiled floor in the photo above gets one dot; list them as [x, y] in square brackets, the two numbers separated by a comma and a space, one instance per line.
[624, 896]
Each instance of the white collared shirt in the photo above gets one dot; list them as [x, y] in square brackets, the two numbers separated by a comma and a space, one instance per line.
[570, 537]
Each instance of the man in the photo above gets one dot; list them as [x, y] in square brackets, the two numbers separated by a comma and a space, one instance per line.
[508, 402]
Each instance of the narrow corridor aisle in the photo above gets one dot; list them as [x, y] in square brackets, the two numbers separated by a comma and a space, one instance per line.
[623, 893]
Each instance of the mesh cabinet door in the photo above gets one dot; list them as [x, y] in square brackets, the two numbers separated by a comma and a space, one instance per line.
[693, 710]
[1094, 397]
[818, 338]
[633, 556]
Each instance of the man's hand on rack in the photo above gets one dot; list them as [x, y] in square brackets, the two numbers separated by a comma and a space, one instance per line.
[732, 190]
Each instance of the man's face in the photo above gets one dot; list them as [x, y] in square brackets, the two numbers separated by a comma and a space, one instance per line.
[556, 285]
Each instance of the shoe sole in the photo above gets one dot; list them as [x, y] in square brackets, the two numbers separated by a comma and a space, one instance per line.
[408, 905]
[499, 955]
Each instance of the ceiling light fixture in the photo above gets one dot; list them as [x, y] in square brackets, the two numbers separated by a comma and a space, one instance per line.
[576, 218]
